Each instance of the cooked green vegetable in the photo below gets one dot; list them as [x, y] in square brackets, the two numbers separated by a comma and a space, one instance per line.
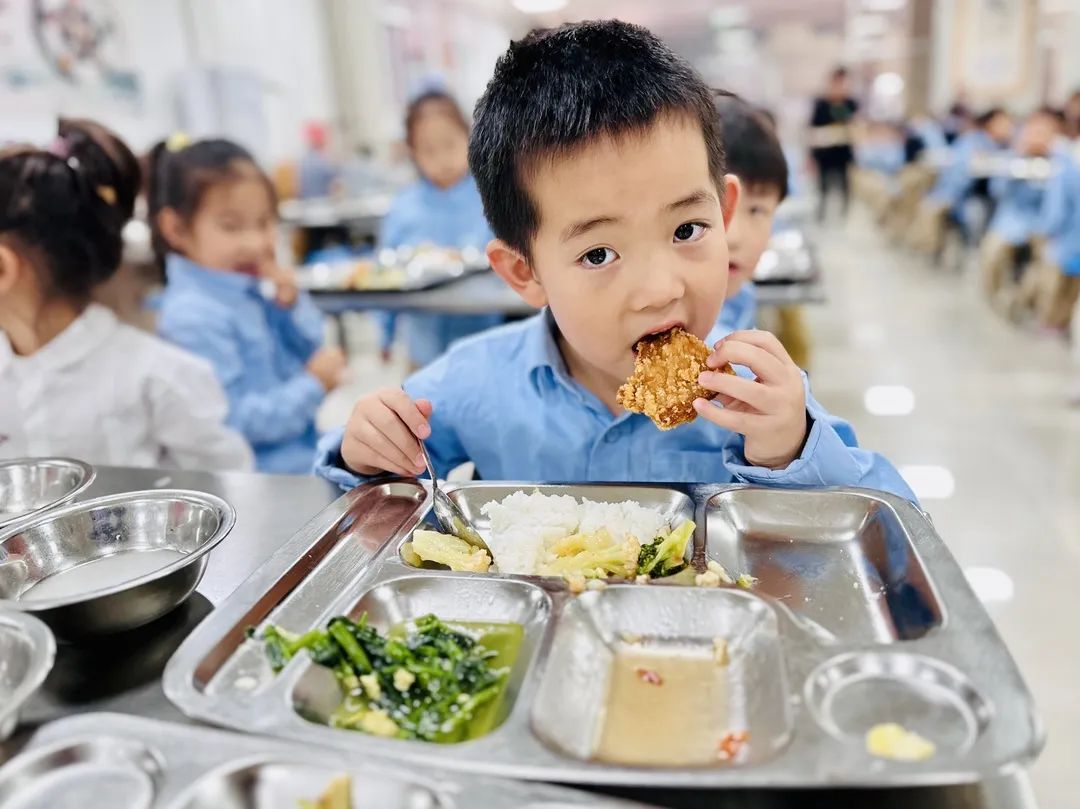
[666, 555]
[429, 681]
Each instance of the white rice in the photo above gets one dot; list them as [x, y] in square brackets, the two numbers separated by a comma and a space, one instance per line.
[522, 525]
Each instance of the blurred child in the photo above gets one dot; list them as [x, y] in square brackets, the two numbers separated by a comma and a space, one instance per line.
[598, 154]
[1059, 275]
[946, 201]
[214, 216]
[1017, 211]
[755, 156]
[442, 209]
[75, 381]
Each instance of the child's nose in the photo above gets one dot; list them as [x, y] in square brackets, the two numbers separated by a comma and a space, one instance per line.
[659, 288]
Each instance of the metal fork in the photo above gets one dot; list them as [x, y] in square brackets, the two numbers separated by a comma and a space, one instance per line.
[451, 519]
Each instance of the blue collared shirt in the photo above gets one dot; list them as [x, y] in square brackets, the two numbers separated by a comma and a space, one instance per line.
[1060, 217]
[423, 213]
[738, 313]
[1018, 209]
[505, 401]
[259, 351]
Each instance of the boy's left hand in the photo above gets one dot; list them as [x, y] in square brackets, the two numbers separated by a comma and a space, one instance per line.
[770, 411]
[285, 286]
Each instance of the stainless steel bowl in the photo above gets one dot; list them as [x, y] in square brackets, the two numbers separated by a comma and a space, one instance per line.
[111, 563]
[27, 651]
[29, 486]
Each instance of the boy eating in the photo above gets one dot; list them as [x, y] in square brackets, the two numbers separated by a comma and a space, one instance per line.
[599, 158]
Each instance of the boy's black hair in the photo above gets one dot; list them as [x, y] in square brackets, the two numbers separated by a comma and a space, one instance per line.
[983, 120]
[65, 207]
[753, 151]
[179, 179]
[561, 88]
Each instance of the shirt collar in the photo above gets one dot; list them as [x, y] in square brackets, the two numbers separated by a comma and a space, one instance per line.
[540, 352]
[183, 272]
[85, 334]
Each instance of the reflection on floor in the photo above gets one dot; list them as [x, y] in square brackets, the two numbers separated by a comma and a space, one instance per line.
[972, 411]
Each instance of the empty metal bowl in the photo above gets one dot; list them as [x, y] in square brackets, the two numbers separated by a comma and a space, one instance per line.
[29, 486]
[27, 651]
[111, 563]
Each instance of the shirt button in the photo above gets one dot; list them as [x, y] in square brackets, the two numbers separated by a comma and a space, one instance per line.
[612, 436]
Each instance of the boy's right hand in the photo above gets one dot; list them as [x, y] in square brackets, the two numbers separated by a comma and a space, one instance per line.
[383, 431]
[328, 365]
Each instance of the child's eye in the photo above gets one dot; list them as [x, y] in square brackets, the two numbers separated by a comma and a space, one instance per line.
[690, 231]
[598, 257]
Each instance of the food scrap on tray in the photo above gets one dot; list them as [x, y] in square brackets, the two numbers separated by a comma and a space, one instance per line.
[664, 384]
[430, 680]
[337, 795]
[545, 535]
[893, 741]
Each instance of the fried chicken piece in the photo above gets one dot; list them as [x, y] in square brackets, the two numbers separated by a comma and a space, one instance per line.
[664, 383]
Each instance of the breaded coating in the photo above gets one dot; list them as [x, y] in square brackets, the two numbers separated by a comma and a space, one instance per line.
[664, 383]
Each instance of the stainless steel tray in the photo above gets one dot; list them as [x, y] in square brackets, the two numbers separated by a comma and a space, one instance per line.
[111, 760]
[861, 616]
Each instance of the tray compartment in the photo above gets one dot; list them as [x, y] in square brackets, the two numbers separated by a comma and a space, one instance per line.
[281, 784]
[674, 504]
[569, 713]
[851, 693]
[842, 560]
[317, 693]
[101, 771]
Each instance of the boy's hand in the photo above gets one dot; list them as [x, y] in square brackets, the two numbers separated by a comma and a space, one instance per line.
[381, 434]
[329, 366]
[769, 410]
[285, 286]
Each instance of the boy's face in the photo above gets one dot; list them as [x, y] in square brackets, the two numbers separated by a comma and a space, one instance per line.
[749, 232]
[630, 242]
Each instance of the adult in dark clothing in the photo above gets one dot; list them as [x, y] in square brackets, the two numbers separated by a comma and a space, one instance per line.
[831, 138]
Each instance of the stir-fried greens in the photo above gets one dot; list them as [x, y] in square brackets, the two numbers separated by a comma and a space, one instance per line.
[431, 681]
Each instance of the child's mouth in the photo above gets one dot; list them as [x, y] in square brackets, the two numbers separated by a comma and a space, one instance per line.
[732, 267]
[663, 328]
[247, 268]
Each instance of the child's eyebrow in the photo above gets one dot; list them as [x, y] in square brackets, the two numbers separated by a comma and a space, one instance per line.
[581, 228]
[696, 198]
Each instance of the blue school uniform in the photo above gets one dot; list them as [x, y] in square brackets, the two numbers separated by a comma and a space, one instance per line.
[423, 213]
[258, 350]
[1018, 209]
[955, 181]
[505, 401]
[1060, 216]
[738, 313]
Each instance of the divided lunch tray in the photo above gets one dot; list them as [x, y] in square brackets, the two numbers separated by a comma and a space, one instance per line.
[860, 617]
[112, 761]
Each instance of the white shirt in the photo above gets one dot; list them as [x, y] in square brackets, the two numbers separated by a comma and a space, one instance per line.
[112, 395]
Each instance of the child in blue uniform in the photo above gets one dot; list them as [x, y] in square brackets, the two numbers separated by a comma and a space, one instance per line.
[1018, 202]
[442, 209]
[1060, 224]
[755, 156]
[598, 154]
[214, 217]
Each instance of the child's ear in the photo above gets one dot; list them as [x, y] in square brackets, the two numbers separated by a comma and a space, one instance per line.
[732, 192]
[515, 270]
[172, 227]
[10, 264]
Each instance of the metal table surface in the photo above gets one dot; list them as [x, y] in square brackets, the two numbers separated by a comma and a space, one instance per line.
[123, 673]
[484, 293]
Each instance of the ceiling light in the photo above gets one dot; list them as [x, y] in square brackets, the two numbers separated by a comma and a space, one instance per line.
[889, 400]
[539, 6]
[929, 482]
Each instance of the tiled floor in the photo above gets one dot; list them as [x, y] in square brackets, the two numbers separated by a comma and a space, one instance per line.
[981, 432]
